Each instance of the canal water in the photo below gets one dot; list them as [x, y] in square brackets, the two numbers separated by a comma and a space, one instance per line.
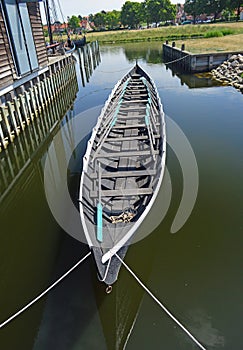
[196, 271]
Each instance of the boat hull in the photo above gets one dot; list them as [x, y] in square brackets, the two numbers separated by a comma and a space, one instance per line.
[122, 170]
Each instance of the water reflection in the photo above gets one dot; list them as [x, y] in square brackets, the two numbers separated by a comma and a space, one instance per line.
[193, 272]
[202, 326]
[148, 52]
[26, 150]
[89, 58]
[194, 81]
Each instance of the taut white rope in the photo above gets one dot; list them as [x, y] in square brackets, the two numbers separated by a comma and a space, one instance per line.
[178, 59]
[161, 305]
[43, 293]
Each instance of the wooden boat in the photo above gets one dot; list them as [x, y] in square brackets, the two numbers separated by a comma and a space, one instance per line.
[80, 42]
[70, 49]
[122, 170]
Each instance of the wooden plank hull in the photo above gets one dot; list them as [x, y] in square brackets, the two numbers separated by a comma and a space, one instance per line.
[122, 169]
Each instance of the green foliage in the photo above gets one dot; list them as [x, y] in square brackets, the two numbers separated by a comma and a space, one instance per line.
[74, 22]
[213, 33]
[159, 10]
[235, 4]
[112, 19]
[45, 31]
[131, 14]
[227, 31]
[99, 20]
[163, 33]
[218, 33]
[196, 7]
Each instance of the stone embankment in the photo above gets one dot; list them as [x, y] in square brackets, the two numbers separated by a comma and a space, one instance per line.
[231, 72]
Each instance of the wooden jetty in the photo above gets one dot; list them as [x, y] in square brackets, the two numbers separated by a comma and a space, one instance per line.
[35, 96]
[193, 63]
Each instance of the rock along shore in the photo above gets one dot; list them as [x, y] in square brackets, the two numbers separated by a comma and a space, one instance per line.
[230, 72]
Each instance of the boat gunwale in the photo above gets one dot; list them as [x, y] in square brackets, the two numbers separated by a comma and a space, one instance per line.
[112, 251]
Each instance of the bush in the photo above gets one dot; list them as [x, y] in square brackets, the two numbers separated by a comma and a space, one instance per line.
[213, 34]
[227, 31]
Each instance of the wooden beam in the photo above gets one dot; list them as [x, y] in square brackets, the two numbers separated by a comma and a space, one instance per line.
[128, 192]
[134, 101]
[128, 138]
[128, 173]
[127, 154]
[130, 126]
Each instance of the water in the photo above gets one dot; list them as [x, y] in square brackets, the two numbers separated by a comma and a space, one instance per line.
[196, 272]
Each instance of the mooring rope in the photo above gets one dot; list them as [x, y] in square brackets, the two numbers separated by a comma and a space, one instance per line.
[160, 304]
[43, 293]
[107, 269]
[178, 59]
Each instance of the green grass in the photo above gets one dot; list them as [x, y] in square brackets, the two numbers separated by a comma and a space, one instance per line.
[218, 33]
[213, 34]
[167, 33]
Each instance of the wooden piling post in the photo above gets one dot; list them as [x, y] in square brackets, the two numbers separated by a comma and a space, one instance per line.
[3, 140]
[18, 113]
[81, 66]
[27, 101]
[4, 115]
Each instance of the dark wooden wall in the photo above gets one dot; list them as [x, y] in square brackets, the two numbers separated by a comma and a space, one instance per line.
[7, 69]
[37, 30]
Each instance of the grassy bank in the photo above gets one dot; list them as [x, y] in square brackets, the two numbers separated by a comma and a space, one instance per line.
[227, 43]
[168, 33]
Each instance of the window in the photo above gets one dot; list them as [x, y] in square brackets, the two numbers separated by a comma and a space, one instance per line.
[21, 38]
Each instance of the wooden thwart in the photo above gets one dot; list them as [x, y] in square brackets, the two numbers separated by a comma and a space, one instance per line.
[129, 138]
[129, 173]
[123, 192]
[127, 154]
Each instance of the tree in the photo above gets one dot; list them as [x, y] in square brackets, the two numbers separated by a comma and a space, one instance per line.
[99, 20]
[91, 17]
[195, 7]
[159, 10]
[215, 7]
[131, 14]
[112, 19]
[235, 4]
[74, 22]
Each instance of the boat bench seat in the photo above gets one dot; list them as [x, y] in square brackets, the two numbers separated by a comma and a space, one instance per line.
[134, 101]
[129, 173]
[128, 138]
[130, 126]
[123, 192]
[126, 154]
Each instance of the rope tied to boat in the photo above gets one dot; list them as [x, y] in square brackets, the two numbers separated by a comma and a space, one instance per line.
[44, 292]
[178, 59]
[107, 269]
[160, 304]
[126, 216]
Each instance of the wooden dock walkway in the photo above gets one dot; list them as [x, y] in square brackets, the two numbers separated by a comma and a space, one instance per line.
[193, 63]
[58, 82]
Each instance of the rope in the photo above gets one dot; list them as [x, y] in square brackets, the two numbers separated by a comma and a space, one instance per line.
[178, 59]
[107, 269]
[161, 305]
[43, 293]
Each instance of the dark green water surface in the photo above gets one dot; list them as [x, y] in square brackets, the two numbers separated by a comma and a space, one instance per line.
[196, 272]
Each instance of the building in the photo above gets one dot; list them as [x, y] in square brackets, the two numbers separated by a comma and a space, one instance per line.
[22, 44]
